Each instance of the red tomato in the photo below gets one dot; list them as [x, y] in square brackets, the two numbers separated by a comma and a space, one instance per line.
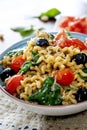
[13, 83]
[74, 24]
[78, 43]
[64, 76]
[66, 21]
[17, 63]
[62, 40]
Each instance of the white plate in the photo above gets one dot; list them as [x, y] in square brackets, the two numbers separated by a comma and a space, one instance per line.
[40, 109]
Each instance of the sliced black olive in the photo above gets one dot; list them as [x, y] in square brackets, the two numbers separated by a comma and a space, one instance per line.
[42, 42]
[80, 58]
[81, 95]
[6, 73]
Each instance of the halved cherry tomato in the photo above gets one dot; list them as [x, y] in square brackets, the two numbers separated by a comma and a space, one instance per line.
[78, 43]
[17, 63]
[64, 76]
[62, 40]
[13, 83]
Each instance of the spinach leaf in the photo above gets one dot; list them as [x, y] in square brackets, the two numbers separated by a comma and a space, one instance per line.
[84, 70]
[68, 88]
[26, 66]
[48, 94]
[35, 56]
[14, 53]
[84, 77]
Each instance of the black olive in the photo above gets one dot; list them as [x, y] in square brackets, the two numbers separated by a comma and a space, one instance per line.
[42, 42]
[81, 95]
[80, 58]
[6, 73]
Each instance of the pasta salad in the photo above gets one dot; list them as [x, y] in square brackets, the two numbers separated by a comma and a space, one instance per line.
[51, 70]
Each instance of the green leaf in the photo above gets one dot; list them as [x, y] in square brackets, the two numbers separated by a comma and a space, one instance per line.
[25, 67]
[48, 94]
[51, 13]
[35, 56]
[14, 53]
[83, 77]
[68, 88]
[17, 29]
[84, 70]
[25, 31]
[68, 33]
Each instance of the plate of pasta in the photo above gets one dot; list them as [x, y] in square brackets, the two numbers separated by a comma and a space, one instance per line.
[47, 73]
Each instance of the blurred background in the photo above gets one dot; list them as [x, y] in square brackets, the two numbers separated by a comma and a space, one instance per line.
[20, 12]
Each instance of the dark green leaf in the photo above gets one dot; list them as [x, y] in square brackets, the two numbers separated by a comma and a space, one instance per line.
[48, 94]
[84, 70]
[35, 56]
[25, 67]
[83, 77]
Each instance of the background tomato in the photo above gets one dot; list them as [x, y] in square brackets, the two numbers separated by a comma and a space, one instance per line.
[64, 76]
[74, 24]
[13, 83]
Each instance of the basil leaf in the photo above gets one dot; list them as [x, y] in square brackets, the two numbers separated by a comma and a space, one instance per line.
[51, 13]
[25, 31]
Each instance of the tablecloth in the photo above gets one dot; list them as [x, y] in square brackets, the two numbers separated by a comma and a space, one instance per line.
[14, 117]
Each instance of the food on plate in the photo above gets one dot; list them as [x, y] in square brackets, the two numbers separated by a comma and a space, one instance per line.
[51, 70]
[74, 24]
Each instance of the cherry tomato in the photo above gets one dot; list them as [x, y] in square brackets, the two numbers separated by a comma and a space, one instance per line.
[17, 63]
[78, 43]
[64, 76]
[60, 38]
[63, 41]
[13, 83]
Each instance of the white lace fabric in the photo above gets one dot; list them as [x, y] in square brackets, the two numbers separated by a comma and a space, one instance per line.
[14, 117]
